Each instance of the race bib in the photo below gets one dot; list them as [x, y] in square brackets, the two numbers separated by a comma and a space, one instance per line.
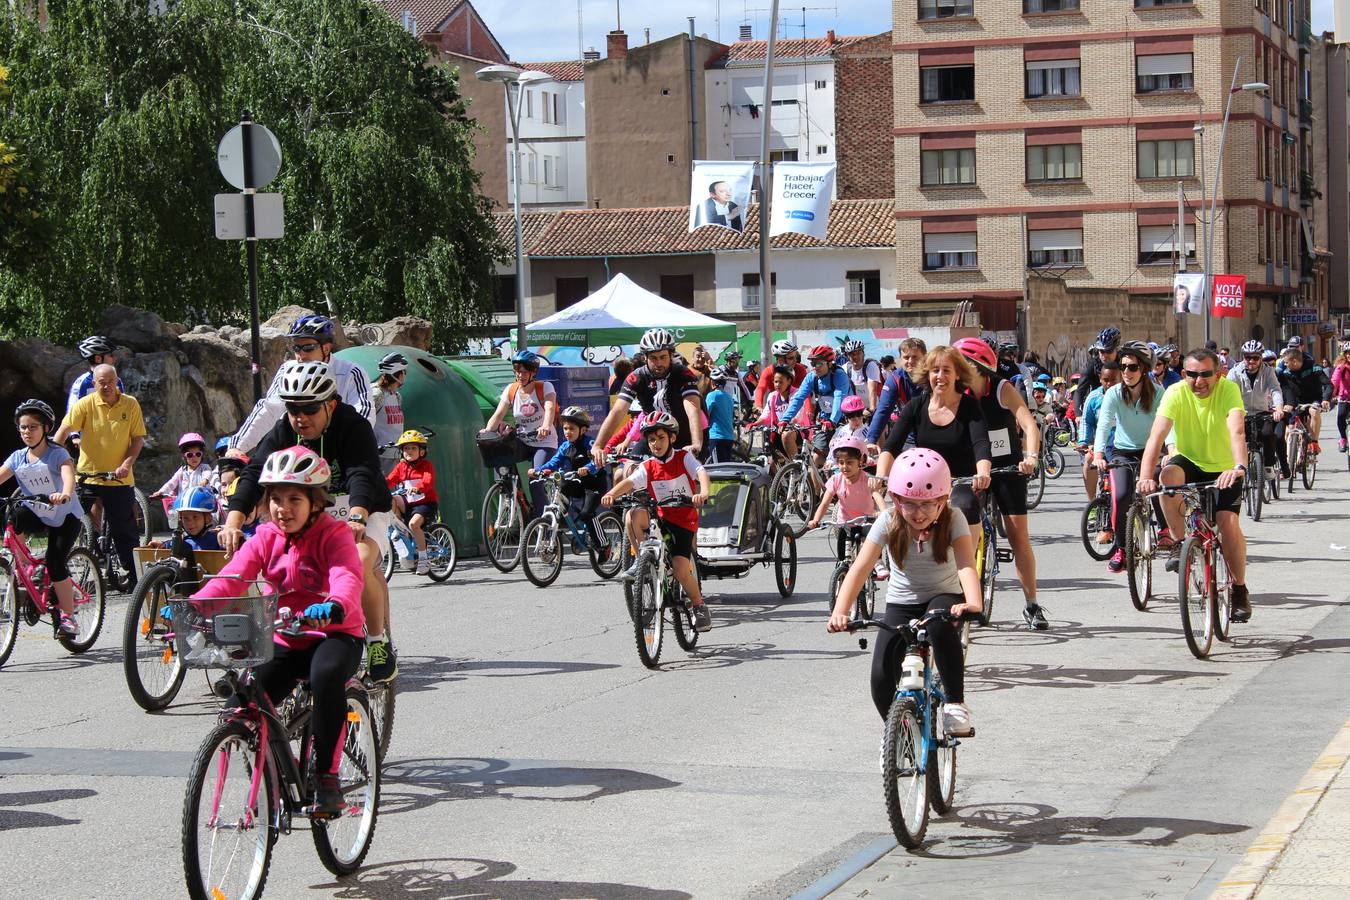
[412, 492]
[1000, 443]
[36, 479]
[341, 506]
[675, 487]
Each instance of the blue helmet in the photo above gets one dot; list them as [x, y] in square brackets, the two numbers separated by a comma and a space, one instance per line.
[1109, 339]
[1043, 378]
[527, 358]
[1017, 380]
[198, 499]
[314, 326]
[223, 444]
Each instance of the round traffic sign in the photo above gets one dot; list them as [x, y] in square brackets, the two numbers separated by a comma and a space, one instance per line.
[264, 153]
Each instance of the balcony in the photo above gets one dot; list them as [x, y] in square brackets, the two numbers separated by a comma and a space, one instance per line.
[1305, 113]
[1305, 33]
[1307, 189]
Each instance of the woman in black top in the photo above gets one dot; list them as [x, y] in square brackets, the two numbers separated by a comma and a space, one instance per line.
[948, 421]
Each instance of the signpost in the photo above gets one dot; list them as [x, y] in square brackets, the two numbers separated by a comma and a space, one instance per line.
[249, 157]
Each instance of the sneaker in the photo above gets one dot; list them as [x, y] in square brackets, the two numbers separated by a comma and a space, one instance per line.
[1106, 537]
[68, 626]
[702, 618]
[127, 583]
[956, 720]
[381, 661]
[632, 571]
[1284, 473]
[1035, 617]
[328, 802]
[1165, 541]
[1173, 563]
[1241, 603]
[1117, 562]
[423, 566]
[1340, 445]
[409, 563]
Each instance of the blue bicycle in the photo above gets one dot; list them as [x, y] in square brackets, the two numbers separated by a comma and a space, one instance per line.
[918, 759]
[542, 542]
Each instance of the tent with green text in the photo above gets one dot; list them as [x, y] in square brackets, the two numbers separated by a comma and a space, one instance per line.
[618, 314]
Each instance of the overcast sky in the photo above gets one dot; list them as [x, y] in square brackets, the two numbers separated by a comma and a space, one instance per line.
[546, 30]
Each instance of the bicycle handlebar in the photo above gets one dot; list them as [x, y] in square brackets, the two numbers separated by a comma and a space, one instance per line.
[1173, 490]
[913, 624]
[89, 476]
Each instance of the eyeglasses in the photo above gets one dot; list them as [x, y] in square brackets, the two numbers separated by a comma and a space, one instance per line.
[304, 348]
[1190, 373]
[820, 362]
[1252, 358]
[192, 454]
[921, 506]
[1130, 367]
[304, 409]
[28, 428]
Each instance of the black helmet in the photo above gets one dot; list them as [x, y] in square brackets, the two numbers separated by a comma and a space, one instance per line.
[35, 407]
[94, 345]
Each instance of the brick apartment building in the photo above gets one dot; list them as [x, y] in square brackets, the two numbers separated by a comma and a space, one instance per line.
[864, 114]
[1051, 135]
[1331, 164]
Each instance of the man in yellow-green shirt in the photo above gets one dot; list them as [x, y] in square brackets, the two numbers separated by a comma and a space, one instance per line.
[112, 434]
[1204, 412]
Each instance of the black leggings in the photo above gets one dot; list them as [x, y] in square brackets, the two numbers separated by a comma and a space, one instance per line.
[890, 651]
[1342, 416]
[328, 664]
[60, 539]
[1122, 493]
[588, 491]
[119, 511]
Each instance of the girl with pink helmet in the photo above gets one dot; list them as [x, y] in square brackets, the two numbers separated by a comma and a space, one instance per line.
[850, 486]
[932, 567]
[192, 474]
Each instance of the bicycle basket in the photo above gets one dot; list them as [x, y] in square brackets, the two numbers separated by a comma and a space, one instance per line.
[496, 449]
[226, 632]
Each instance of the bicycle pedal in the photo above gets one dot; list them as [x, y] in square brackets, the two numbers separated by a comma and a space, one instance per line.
[1004, 554]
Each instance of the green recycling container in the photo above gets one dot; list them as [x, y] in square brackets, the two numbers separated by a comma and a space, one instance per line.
[488, 376]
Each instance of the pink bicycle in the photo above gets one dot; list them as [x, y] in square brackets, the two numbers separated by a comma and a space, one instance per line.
[26, 589]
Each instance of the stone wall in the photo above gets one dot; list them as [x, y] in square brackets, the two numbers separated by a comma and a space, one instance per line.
[1063, 321]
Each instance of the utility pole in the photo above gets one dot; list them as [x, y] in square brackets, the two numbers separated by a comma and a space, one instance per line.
[765, 201]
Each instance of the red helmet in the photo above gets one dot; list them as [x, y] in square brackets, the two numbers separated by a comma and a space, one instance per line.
[978, 352]
[821, 351]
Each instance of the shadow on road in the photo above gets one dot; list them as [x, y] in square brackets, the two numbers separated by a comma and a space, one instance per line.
[11, 819]
[415, 784]
[426, 673]
[1001, 676]
[435, 879]
[68, 663]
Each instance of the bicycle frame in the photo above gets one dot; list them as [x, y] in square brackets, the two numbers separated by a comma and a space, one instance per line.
[25, 564]
[558, 511]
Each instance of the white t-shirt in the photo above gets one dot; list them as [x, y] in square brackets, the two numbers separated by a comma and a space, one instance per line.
[388, 414]
[528, 410]
[870, 370]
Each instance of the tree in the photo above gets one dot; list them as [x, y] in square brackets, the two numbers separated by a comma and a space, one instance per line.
[384, 212]
[21, 225]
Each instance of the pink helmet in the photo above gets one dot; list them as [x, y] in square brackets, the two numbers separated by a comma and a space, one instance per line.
[852, 404]
[295, 465]
[977, 351]
[853, 442]
[191, 438]
[920, 474]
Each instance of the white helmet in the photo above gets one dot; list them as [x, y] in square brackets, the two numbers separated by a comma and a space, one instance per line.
[1253, 348]
[783, 348]
[296, 465]
[656, 339]
[306, 382]
[393, 363]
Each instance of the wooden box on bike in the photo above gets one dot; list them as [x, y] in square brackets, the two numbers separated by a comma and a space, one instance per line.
[210, 561]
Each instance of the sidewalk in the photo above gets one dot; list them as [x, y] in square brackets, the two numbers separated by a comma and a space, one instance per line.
[1301, 851]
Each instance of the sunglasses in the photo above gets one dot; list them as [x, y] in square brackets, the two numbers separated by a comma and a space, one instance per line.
[1130, 367]
[304, 409]
[1190, 373]
[192, 454]
[304, 348]
[1252, 358]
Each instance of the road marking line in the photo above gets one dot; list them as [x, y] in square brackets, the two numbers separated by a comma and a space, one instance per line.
[1243, 880]
[840, 874]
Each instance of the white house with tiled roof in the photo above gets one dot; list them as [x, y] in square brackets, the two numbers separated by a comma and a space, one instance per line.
[553, 138]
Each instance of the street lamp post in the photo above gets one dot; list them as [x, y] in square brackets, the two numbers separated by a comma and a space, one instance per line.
[515, 81]
[1211, 226]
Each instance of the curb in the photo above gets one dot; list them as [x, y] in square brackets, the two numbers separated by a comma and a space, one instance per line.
[1245, 878]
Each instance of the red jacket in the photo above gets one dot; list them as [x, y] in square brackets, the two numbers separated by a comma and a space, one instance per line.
[766, 382]
[418, 481]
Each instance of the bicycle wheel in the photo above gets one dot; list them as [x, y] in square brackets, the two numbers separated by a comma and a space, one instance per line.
[1096, 518]
[1273, 481]
[784, 560]
[648, 615]
[501, 527]
[141, 510]
[608, 561]
[86, 538]
[90, 603]
[1139, 553]
[1054, 463]
[1194, 594]
[903, 773]
[964, 631]
[343, 842]
[1036, 488]
[9, 611]
[442, 551]
[1253, 485]
[1221, 596]
[1295, 444]
[227, 840]
[988, 579]
[391, 558]
[941, 766]
[541, 552]
[381, 699]
[836, 579]
[682, 617]
[154, 672]
[792, 497]
[1309, 469]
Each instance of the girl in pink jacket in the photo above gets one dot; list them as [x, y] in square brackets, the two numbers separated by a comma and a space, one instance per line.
[1340, 390]
[310, 559]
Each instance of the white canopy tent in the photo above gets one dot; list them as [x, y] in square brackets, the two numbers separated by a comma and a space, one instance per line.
[619, 313]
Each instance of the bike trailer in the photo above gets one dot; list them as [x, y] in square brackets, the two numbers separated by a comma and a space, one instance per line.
[732, 525]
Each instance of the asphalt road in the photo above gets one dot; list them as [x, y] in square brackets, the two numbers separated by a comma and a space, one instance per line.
[534, 757]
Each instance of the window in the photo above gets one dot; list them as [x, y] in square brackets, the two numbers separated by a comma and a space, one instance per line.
[1055, 247]
[1044, 6]
[777, 156]
[1056, 162]
[864, 288]
[945, 9]
[1145, 4]
[1164, 72]
[1166, 159]
[822, 150]
[821, 84]
[948, 167]
[545, 108]
[559, 110]
[505, 301]
[529, 104]
[750, 289]
[1053, 78]
[949, 251]
[1157, 243]
[787, 101]
[1261, 254]
[678, 289]
[548, 171]
[569, 291]
[946, 84]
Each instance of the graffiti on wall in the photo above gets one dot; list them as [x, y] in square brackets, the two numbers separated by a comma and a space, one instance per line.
[1064, 357]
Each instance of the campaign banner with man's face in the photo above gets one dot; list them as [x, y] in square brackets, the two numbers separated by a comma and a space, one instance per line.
[801, 198]
[720, 194]
[1230, 291]
[1188, 293]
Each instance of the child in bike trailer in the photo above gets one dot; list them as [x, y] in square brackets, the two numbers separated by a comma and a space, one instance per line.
[41, 467]
[853, 489]
[196, 511]
[418, 504]
[932, 567]
[310, 558]
[669, 472]
[574, 455]
[193, 473]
